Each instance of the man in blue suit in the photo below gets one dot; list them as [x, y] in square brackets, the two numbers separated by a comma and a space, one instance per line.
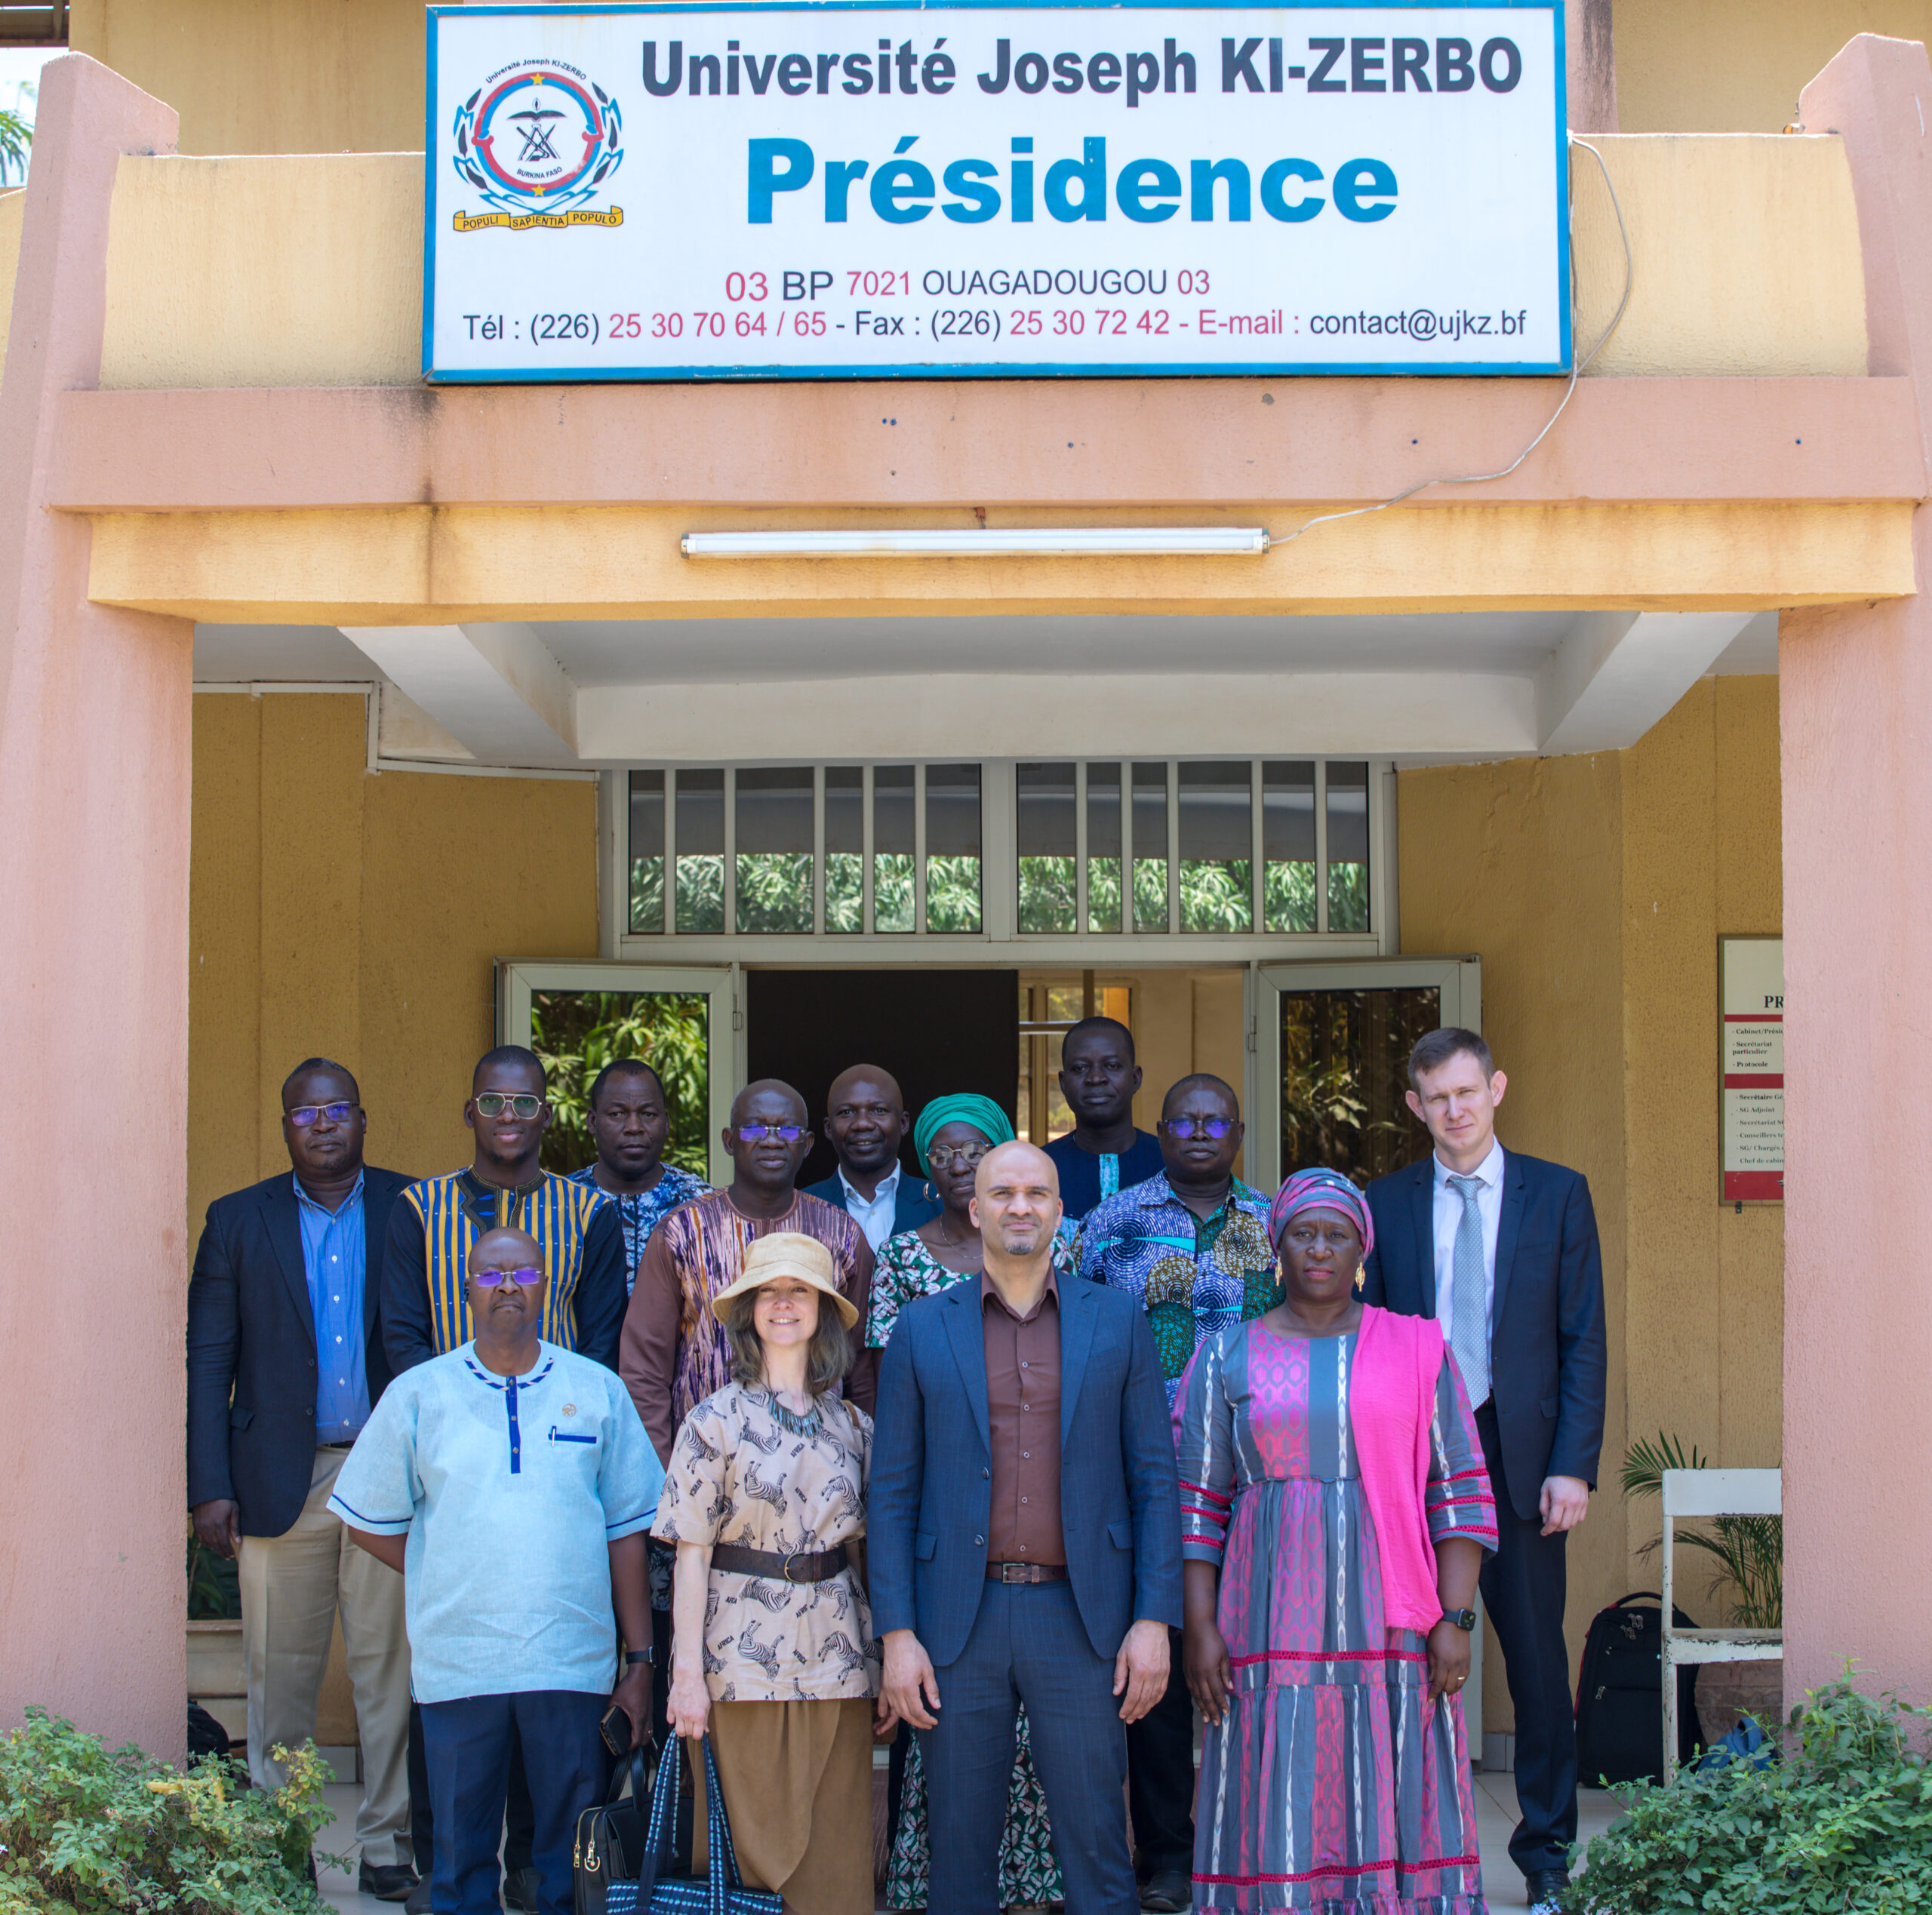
[285, 1362]
[866, 1124]
[1024, 1534]
[1502, 1249]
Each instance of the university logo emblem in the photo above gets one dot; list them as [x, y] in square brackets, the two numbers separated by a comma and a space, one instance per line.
[537, 140]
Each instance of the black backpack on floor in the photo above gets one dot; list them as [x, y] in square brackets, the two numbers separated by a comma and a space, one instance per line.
[1619, 1695]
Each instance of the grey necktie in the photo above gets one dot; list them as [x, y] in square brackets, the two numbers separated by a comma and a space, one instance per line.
[1468, 1302]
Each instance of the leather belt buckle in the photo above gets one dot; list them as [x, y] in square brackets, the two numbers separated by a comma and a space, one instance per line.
[1016, 1572]
[791, 1556]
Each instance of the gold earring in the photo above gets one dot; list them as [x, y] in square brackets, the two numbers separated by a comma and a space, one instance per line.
[1361, 1276]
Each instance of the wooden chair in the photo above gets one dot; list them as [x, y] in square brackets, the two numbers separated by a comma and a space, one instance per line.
[1689, 1493]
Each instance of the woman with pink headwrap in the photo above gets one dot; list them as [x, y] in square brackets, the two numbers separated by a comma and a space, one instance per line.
[1334, 1512]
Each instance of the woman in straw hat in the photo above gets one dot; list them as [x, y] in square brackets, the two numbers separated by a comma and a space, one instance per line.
[774, 1652]
[952, 1136]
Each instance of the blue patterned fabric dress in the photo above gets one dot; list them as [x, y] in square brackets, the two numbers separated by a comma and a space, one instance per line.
[1332, 1785]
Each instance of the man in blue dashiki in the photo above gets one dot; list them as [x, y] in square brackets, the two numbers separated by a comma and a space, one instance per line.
[630, 1120]
[1191, 1242]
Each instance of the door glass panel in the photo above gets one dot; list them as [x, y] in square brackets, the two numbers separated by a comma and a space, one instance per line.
[774, 848]
[1217, 826]
[1150, 846]
[893, 839]
[576, 1033]
[1287, 845]
[953, 847]
[1348, 847]
[647, 851]
[700, 851]
[1103, 898]
[1345, 1059]
[1048, 833]
[844, 847]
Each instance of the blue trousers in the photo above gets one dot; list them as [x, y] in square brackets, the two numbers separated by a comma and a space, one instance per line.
[1028, 1645]
[467, 1746]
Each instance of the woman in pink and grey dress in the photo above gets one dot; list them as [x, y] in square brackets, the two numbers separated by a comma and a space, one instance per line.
[1335, 1511]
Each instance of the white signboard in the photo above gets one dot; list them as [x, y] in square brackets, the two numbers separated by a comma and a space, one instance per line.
[1752, 988]
[850, 191]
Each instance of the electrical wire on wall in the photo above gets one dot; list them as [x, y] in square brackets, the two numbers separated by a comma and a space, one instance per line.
[1576, 372]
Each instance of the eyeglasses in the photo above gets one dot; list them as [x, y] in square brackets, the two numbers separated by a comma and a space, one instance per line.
[1214, 1127]
[490, 1279]
[302, 1115]
[495, 1103]
[750, 1134]
[942, 1159]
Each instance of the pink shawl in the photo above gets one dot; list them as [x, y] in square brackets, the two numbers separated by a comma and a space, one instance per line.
[1391, 1405]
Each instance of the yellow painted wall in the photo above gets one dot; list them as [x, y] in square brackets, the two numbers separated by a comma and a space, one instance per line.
[1595, 889]
[354, 916]
[269, 76]
[1737, 66]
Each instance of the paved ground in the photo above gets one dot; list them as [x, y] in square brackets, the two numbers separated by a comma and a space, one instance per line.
[1496, 1816]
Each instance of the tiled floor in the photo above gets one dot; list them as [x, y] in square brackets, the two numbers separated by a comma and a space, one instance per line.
[1496, 1816]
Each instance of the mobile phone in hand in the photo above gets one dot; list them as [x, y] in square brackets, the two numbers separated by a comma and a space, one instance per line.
[615, 1730]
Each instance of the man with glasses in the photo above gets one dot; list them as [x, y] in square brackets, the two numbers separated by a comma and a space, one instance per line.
[426, 1311]
[1103, 1152]
[1191, 1246]
[674, 1352]
[286, 1361]
[865, 1124]
[577, 1228]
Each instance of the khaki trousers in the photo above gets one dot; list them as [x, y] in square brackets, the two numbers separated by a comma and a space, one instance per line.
[291, 1587]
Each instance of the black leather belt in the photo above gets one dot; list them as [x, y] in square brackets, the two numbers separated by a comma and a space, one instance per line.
[1025, 1571]
[801, 1565]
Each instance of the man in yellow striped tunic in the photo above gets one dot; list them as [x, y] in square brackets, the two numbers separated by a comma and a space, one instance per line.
[435, 1221]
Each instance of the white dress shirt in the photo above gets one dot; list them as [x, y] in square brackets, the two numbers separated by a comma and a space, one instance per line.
[875, 1218]
[1448, 1219]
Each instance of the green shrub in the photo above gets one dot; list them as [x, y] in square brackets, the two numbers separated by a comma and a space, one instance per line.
[86, 1828]
[1843, 1824]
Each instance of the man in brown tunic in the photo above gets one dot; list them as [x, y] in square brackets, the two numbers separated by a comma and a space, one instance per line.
[673, 1353]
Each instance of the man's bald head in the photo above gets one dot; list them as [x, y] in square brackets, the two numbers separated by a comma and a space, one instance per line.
[1016, 1206]
[865, 1123]
[768, 1100]
[505, 1312]
[505, 1248]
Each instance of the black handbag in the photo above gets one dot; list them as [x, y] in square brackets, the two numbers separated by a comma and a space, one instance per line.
[612, 1839]
[1620, 1694]
[651, 1889]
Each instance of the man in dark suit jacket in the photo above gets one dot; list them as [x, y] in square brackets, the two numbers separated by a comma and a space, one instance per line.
[866, 1124]
[1502, 1248]
[1023, 1535]
[285, 1362]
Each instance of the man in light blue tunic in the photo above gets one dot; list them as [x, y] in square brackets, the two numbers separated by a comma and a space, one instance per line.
[512, 1483]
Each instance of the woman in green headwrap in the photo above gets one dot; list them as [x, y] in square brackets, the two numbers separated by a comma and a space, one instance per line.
[952, 1136]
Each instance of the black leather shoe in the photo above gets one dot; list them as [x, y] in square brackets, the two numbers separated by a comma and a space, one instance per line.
[393, 1883]
[418, 1903]
[520, 1888]
[1168, 1891]
[1546, 1889]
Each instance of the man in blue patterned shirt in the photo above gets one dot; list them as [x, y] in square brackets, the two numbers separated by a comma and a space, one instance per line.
[1191, 1242]
[630, 1122]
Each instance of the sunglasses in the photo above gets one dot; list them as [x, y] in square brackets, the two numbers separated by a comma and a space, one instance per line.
[490, 1279]
[750, 1134]
[302, 1115]
[1214, 1127]
[495, 1103]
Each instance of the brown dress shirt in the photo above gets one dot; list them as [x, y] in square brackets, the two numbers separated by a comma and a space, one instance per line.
[1022, 1412]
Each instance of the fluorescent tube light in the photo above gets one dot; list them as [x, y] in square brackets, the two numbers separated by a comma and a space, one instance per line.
[1066, 541]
